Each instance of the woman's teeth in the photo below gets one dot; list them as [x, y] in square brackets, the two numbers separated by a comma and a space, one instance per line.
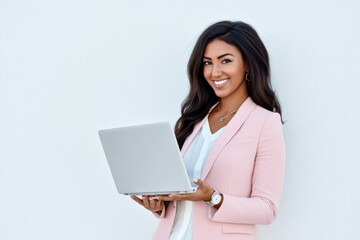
[220, 82]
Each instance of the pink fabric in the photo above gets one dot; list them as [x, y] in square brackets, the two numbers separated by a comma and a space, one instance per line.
[246, 165]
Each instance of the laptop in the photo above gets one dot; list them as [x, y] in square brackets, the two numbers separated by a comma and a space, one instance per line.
[145, 160]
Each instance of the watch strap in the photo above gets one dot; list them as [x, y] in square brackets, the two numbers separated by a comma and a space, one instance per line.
[211, 203]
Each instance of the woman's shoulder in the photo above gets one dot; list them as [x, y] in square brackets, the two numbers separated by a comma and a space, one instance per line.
[263, 115]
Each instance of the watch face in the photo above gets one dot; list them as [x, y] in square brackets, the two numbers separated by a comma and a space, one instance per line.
[216, 199]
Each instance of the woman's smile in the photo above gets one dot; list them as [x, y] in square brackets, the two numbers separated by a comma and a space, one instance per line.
[220, 83]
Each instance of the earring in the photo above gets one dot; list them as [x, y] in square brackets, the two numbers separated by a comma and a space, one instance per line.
[247, 77]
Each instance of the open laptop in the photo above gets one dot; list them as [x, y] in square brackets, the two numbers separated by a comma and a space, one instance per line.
[145, 160]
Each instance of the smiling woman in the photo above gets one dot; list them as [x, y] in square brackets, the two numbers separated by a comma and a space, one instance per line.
[230, 135]
[224, 70]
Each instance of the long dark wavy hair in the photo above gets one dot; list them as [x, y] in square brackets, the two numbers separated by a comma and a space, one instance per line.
[202, 97]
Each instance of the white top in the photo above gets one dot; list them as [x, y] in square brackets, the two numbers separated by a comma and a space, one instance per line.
[194, 160]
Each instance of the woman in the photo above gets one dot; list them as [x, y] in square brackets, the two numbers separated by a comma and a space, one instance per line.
[230, 135]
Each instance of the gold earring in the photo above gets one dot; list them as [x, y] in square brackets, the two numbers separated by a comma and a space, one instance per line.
[247, 77]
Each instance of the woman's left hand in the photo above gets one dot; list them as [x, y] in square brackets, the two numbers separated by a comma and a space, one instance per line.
[203, 193]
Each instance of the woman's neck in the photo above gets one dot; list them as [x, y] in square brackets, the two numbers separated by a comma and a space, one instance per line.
[227, 105]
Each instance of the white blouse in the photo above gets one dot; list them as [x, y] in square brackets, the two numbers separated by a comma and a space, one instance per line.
[194, 159]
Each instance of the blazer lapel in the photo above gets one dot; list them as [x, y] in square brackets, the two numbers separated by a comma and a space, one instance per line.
[229, 131]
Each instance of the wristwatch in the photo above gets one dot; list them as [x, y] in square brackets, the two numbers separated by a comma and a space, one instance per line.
[216, 198]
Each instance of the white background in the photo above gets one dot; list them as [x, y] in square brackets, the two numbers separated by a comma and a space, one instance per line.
[69, 68]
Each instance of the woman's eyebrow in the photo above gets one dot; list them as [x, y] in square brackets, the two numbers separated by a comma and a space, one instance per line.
[221, 56]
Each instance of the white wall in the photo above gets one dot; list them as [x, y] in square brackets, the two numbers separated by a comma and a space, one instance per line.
[69, 68]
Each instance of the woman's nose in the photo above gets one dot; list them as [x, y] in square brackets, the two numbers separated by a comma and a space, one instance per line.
[216, 71]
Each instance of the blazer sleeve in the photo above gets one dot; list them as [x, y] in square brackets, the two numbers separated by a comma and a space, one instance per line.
[267, 181]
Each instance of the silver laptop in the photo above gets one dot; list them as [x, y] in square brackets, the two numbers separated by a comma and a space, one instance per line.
[145, 160]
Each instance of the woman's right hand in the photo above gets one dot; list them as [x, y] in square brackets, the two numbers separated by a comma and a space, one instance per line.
[150, 203]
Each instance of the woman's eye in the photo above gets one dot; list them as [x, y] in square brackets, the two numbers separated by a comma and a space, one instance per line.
[206, 63]
[226, 61]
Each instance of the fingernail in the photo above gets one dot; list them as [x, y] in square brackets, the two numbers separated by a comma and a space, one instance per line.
[196, 180]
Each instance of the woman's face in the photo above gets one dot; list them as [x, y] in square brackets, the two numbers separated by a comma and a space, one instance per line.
[224, 69]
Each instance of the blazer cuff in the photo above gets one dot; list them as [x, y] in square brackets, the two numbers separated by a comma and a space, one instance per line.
[163, 211]
[243, 210]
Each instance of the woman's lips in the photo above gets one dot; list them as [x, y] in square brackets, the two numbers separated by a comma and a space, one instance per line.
[220, 83]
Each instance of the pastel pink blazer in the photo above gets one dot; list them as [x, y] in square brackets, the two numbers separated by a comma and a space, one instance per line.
[246, 164]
